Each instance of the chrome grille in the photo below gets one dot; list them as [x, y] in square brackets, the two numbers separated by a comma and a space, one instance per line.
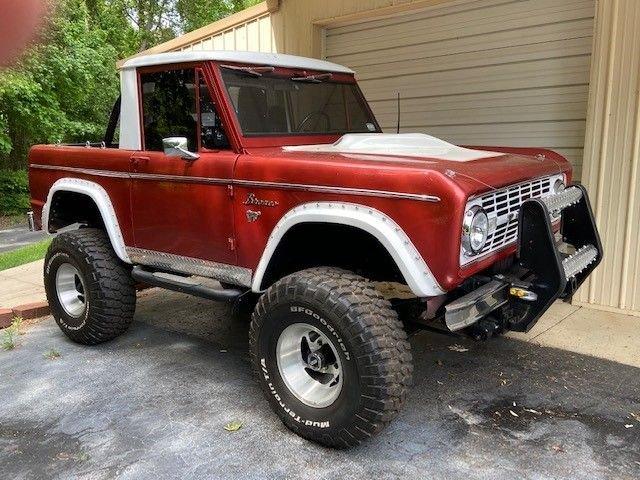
[502, 206]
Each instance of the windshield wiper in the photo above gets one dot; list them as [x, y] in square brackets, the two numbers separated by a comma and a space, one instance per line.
[313, 78]
[253, 71]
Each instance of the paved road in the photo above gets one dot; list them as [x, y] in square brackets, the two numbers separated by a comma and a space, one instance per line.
[20, 236]
[152, 404]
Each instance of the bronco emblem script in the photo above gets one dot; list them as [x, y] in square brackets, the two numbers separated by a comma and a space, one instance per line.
[253, 200]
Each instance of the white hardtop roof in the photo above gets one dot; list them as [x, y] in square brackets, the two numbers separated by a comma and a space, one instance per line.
[256, 58]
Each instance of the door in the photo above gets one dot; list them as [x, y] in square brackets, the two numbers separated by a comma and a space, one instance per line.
[179, 206]
[484, 72]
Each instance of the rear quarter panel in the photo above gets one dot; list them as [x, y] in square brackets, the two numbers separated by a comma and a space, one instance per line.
[49, 163]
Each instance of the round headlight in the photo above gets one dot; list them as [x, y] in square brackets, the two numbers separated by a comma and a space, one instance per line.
[558, 186]
[475, 230]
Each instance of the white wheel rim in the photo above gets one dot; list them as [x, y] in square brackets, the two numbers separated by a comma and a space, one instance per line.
[309, 365]
[71, 290]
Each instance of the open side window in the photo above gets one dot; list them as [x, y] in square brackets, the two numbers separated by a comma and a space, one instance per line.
[177, 103]
[110, 140]
[212, 132]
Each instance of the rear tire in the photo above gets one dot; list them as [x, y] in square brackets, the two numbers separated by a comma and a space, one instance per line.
[334, 319]
[90, 290]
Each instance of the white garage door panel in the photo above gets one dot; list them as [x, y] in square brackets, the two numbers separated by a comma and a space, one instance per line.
[463, 39]
[519, 100]
[509, 47]
[492, 72]
[401, 31]
[538, 74]
[521, 134]
[490, 115]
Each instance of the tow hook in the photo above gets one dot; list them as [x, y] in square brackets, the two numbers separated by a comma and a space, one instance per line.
[485, 328]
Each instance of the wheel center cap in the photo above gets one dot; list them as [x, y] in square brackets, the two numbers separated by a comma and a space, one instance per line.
[315, 360]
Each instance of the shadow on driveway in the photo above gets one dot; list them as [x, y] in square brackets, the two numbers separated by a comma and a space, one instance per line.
[152, 404]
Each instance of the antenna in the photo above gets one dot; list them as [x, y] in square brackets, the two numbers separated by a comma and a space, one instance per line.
[398, 124]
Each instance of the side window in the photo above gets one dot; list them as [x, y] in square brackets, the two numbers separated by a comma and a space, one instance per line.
[212, 134]
[169, 107]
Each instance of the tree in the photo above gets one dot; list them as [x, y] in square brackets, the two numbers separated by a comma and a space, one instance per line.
[63, 90]
[153, 21]
[198, 13]
[156, 21]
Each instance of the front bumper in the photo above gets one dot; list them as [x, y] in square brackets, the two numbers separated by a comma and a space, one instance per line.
[546, 269]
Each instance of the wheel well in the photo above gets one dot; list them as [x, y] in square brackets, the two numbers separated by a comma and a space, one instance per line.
[309, 245]
[68, 208]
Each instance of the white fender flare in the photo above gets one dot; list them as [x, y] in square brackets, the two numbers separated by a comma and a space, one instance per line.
[409, 261]
[101, 198]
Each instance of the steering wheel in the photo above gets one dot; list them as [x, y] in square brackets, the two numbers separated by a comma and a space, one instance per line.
[310, 115]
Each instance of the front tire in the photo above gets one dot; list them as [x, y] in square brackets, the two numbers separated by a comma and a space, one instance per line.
[90, 290]
[331, 356]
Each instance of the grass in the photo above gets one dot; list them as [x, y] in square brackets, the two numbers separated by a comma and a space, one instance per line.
[52, 354]
[23, 255]
[8, 341]
[9, 334]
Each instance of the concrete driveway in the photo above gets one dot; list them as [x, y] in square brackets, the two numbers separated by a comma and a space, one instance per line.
[153, 403]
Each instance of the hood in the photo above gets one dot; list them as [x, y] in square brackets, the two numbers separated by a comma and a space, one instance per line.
[403, 144]
[474, 169]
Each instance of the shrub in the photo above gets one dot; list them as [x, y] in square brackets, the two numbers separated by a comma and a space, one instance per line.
[14, 192]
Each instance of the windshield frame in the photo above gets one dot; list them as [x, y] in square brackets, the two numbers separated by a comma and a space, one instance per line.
[290, 138]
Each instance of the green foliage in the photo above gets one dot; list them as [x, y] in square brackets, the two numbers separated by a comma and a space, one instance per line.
[8, 341]
[64, 88]
[23, 255]
[9, 334]
[51, 354]
[14, 192]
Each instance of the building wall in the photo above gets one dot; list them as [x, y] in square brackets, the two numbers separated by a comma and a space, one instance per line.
[612, 140]
[250, 30]
[254, 35]
[612, 152]
[296, 25]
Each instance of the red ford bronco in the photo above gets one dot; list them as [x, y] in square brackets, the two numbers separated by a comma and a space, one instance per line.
[270, 174]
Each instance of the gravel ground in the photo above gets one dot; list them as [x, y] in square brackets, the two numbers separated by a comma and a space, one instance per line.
[153, 403]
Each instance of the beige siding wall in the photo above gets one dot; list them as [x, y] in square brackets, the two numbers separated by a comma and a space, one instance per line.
[612, 153]
[296, 25]
[299, 23]
[254, 35]
[250, 30]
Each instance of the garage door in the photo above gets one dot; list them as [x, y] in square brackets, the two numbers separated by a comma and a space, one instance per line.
[484, 72]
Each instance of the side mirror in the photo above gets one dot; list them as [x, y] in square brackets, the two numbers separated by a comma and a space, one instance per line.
[177, 147]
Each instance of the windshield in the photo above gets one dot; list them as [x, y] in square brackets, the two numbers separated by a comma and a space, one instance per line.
[266, 104]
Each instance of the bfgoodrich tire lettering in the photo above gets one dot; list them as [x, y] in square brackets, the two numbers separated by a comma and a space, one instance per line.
[374, 354]
[104, 281]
